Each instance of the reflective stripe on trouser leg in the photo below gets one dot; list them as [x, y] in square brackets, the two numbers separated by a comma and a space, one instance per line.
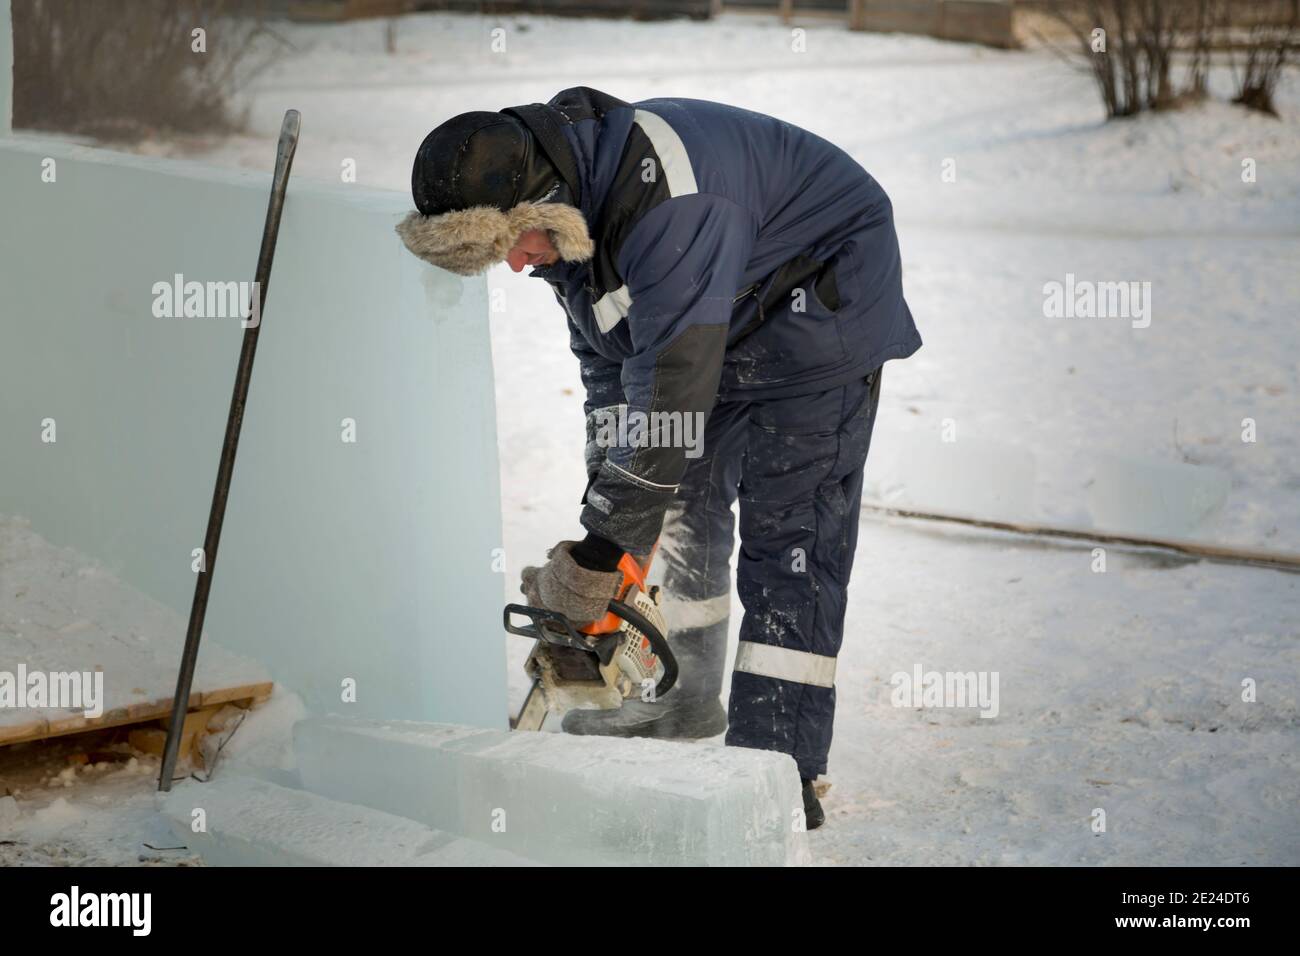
[799, 502]
[801, 667]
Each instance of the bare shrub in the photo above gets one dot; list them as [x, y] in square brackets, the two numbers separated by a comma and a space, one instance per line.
[1273, 33]
[121, 69]
[1206, 22]
[1130, 47]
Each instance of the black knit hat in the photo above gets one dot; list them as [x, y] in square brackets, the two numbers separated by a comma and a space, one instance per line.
[479, 159]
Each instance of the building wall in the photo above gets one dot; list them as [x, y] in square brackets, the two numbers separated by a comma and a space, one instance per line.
[636, 9]
[370, 560]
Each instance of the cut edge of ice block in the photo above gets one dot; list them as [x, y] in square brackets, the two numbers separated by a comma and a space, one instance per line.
[565, 799]
[249, 821]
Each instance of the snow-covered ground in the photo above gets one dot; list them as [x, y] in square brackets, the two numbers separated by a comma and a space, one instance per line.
[1119, 691]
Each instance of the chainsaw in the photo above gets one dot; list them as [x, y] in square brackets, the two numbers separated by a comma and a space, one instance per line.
[597, 666]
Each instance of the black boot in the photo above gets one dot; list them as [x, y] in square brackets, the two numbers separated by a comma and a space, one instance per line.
[813, 814]
[690, 711]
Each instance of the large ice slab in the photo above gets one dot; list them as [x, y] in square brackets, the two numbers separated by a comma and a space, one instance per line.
[251, 822]
[6, 69]
[916, 470]
[564, 799]
[1150, 496]
[365, 600]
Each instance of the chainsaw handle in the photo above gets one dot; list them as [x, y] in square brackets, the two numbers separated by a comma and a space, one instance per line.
[554, 628]
[564, 633]
[538, 616]
[634, 576]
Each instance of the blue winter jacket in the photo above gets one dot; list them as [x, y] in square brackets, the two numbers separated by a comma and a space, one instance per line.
[737, 257]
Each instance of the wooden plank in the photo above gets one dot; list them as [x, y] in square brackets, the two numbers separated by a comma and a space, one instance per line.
[16, 733]
[112, 718]
[195, 720]
[147, 709]
[74, 723]
[148, 740]
[139, 713]
[257, 692]
[153, 740]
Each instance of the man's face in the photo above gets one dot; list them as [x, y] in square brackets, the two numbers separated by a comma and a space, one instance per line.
[534, 248]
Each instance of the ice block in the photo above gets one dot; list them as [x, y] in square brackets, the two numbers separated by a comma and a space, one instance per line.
[563, 799]
[1150, 496]
[252, 822]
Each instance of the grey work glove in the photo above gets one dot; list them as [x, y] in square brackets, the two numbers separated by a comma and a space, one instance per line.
[564, 586]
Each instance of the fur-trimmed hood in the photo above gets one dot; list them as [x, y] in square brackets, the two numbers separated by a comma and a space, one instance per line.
[468, 241]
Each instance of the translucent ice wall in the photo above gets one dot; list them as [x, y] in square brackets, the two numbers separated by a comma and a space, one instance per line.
[6, 66]
[363, 520]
